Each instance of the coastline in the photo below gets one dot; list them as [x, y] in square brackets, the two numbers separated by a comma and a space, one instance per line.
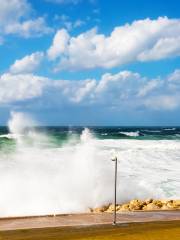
[141, 205]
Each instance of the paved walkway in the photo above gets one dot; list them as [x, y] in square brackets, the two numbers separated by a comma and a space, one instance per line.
[75, 220]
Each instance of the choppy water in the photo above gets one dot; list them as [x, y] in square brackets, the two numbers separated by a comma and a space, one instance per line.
[69, 169]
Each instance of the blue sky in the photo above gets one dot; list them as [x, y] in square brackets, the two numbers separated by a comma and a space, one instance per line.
[91, 62]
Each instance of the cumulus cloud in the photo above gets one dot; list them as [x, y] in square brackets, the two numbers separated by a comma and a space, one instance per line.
[142, 40]
[13, 10]
[27, 64]
[20, 87]
[29, 28]
[15, 18]
[123, 90]
[150, 86]
[59, 45]
[163, 102]
[175, 76]
[164, 48]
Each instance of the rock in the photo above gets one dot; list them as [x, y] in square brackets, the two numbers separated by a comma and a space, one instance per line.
[164, 201]
[124, 207]
[97, 210]
[110, 208]
[176, 203]
[101, 209]
[91, 210]
[158, 203]
[150, 207]
[118, 207]
[172, 205]
[150, 200]
[135, 205]
[165, 207]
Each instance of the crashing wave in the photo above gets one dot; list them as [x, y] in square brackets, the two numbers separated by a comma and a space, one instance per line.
[131, 134]
[74, 177]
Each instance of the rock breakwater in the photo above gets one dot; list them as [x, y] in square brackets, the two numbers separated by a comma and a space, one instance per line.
[140, 205]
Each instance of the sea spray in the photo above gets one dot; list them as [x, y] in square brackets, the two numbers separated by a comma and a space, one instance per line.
[40, 180]
[43, 177]
[19, 122]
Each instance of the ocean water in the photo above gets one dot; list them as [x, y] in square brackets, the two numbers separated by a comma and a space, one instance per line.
[52, 170]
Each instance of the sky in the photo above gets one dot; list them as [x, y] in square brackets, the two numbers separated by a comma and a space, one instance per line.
[91, 62]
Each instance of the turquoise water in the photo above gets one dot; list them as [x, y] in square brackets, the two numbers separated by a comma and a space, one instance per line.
[51, 170]
[61, 134]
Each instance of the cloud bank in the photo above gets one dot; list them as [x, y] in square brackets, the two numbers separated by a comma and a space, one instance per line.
[142, 40]
[123, 90]
[16, 17]
[27, 64]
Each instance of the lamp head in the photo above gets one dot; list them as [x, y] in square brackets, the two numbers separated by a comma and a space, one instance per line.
[114, 155]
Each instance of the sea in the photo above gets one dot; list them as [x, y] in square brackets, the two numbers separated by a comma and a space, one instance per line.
[54, 170]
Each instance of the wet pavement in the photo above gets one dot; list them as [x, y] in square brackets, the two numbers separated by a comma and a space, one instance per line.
[80, 220]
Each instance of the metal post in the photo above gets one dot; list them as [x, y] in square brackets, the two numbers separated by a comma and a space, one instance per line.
[115, 189]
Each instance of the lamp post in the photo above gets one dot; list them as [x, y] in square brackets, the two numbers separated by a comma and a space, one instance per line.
[115, 188]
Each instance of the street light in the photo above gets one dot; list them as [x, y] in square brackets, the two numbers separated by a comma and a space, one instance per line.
[115, 187]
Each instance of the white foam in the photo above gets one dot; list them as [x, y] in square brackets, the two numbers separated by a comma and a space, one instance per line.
[170, 129]
[41, 179]
[130, 134]
[19, 122]
[153, 131]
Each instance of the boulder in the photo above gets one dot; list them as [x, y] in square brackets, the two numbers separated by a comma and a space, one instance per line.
[176, 203]
[150, 200]
[151, 207]
[165, 207]
[110, 208]
[172, 205]
[164, 201]
[118, 207]
[100, 209]
[136, 205]
[124, 207]
[157, 203]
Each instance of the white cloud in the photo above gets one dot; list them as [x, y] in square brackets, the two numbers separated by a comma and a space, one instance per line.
[163, 102]
[150, 86]
[80, 91]
[13, 10]
[60, 44]
[175, 76]
[27, 64]
[15, 18]
[140, 41]
[173, 81]
[164, 48]
[29, 28]
[124, 90]
[20, 87]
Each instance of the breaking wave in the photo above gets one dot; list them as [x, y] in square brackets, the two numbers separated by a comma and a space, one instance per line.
[41, 176]
[131, 134]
